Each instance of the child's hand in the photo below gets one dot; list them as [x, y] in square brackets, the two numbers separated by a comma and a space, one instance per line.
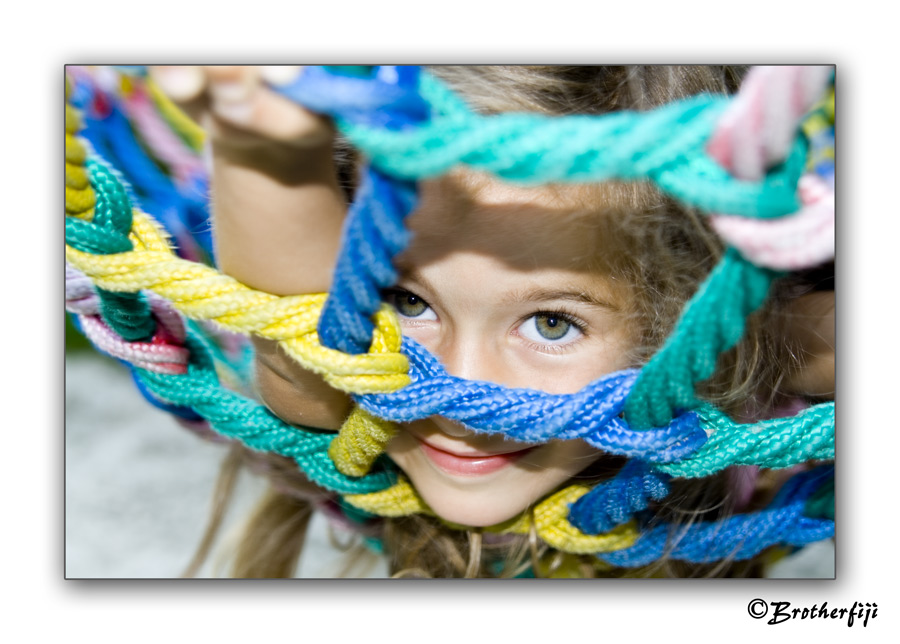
[277, 209]
[239, 111]
[277, 205]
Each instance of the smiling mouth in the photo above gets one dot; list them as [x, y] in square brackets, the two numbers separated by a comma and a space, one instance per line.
[469, 464]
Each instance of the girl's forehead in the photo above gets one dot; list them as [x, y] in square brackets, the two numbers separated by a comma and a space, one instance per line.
[567, 227]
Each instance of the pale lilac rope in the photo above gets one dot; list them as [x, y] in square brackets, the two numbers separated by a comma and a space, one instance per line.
[789, 243]
[757, 132]
[163, 354]
[163, 142]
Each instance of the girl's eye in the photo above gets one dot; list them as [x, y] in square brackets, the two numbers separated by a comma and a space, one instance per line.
[547, 328]
[410, 305]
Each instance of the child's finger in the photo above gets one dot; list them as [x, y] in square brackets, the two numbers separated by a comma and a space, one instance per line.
[184, 85]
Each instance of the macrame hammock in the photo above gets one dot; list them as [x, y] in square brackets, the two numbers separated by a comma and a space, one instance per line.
[763, 158]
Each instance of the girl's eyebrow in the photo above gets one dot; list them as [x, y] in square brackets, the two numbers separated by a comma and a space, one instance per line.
[413, 276]
[521, 296]
[548, 294]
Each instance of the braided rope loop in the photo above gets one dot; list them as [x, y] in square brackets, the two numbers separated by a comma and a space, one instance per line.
[79, 195]
[202, 293]
[527, 415]
[373, 235]
[614, 502]
[236, 417]
[190, 389]
[126, 313]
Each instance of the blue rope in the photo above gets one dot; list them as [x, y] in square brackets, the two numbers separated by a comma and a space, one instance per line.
[384, 98]
[183, 213]
[528, 415]
[738, 537]
[373, 235]
[616, 501]
[679, 448]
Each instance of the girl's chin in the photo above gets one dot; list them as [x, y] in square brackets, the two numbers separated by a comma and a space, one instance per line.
[476, 501]
[466, 513]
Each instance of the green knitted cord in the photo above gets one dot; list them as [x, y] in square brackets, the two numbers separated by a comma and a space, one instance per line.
[713, 321]
[113, 207]
[87, 237]
[665, 145]
[775, 443]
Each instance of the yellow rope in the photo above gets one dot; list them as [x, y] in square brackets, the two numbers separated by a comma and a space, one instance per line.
[201, 292]
[361, 440]
[399, 500]
[79, 194]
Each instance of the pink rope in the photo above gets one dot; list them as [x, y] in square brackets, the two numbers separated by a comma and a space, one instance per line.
[753, 134]
[790, 243]
[156, 355]
[164, 353]
[757, 130]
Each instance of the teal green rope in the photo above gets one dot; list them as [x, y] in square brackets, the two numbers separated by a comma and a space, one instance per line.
[775, 443]
[666, 145]
[128, 314]
[713, 321]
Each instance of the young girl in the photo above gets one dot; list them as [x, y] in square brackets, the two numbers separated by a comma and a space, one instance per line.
[545, 288]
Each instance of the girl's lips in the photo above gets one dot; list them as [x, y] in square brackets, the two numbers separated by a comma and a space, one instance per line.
[470, 464]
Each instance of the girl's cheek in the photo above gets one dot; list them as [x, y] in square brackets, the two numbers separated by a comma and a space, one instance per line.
[425, 332]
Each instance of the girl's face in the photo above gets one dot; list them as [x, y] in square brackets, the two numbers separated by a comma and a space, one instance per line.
[505, 284]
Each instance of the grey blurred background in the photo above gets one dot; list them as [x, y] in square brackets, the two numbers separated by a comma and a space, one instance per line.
[139, 486]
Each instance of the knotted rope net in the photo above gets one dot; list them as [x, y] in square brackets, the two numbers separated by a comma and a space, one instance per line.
[759, 164]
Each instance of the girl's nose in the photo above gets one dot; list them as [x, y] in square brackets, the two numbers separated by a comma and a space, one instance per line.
[472, 359]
